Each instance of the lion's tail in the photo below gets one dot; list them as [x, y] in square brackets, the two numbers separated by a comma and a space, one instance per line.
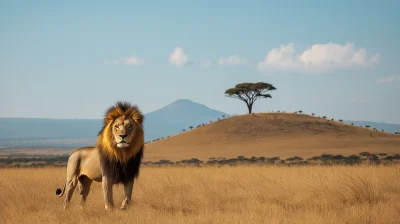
[60, 192]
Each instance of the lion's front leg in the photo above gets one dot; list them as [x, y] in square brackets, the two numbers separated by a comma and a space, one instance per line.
[107, 191]
[128, 186]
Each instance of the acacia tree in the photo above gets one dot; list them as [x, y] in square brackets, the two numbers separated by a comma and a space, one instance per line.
[250, 92]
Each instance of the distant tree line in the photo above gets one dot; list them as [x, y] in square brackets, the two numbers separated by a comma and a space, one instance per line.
[24, 160]
[324, 159]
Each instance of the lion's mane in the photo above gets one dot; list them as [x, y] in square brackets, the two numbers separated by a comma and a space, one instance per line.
[121, 164]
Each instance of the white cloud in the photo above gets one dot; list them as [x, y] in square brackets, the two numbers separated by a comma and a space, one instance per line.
[282, 59]
[178, 57]
[232, 60]
[390, 79]
[133, 60]
[319, 58]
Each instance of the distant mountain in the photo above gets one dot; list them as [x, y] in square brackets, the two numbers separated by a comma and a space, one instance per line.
[178, 115]
[42, 132]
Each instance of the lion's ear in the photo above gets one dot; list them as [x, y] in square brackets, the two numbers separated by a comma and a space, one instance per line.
[112, 115]
[109, 119]
[139, 119]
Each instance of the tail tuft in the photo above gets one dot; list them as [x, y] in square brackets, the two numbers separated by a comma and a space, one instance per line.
[58, 192]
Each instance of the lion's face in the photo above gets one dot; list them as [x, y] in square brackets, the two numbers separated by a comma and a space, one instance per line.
[121, 136]
[123, 130]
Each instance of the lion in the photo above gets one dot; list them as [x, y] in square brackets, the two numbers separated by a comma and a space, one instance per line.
[114, 159]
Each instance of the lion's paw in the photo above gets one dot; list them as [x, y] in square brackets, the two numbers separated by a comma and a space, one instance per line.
[124, 205]
[108, 207]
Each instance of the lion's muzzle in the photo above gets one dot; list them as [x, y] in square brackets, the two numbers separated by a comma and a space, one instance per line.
[122, 144]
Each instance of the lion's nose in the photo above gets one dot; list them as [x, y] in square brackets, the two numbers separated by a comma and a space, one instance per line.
[123, 136]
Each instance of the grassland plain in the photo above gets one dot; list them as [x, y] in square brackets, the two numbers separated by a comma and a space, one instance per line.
[241, 194]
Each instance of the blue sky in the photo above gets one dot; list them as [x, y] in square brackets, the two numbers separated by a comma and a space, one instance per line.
[74, 59]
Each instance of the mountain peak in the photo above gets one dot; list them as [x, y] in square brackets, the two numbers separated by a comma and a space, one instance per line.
[184, 104]
[182, 101]
[178, 115]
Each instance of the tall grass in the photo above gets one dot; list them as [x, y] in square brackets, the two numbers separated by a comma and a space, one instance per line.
[242, 194]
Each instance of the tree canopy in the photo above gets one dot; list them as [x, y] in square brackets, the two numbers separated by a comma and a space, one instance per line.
[250, 92]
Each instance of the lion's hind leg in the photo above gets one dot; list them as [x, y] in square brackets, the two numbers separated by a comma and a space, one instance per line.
[69, 190]
[84, 184]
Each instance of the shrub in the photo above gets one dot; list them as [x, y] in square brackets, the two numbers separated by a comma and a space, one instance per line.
[338, 157]
[326, 157]
[315, 158]
[366, 154]
[353, 159]
[295, 158]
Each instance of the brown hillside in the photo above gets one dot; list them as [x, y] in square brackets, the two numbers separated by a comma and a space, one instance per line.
[272, 134]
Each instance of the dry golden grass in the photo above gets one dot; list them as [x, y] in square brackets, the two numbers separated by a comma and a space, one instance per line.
[243, 194]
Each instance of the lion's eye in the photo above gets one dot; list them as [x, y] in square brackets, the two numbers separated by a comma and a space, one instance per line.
[130, 126]
[116, 126]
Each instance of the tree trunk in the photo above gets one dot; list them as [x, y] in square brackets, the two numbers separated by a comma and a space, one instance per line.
[250, 107]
